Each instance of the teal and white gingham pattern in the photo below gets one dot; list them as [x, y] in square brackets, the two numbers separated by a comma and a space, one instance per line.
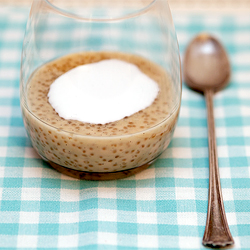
[163, 207]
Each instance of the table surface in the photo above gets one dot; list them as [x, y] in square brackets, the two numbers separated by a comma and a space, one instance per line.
[163, 207]
[185, 5]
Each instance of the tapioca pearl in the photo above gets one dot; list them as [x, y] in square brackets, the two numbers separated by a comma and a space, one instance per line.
[155, 150]
[42, 142]
[55, 148]
[66, 163]
[153, 135]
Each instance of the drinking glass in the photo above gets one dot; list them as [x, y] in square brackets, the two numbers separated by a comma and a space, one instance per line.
[62, 35]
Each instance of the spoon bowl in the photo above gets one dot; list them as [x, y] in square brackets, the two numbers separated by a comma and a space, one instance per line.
[206, 64]
[207, 70]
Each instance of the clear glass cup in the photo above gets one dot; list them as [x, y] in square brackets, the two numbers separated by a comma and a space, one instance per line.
[61, 35]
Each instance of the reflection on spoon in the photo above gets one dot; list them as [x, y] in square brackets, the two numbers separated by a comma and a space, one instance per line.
[207, 70]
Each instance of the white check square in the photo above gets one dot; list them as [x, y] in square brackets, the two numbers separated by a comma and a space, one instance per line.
[27, 241]
[146, 217]
[146, 194]
[189, 242]
[185, 193]
[148, 241]
[186, 173]
[31, 194]
[107, 215]
[187, 218]
[68, 241]
[69, 195]
[225, 172]
[29, 217]
[106, 238]
[227, 194]
[69, 217]
[108, 193]
[32, 172]
[222, 151]
[182, 152]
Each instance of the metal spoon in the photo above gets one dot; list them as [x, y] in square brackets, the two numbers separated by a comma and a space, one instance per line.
[207, 70]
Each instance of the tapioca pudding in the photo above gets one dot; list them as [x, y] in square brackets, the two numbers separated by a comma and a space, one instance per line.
[124, 144]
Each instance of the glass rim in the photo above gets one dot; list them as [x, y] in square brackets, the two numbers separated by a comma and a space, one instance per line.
[69, 14]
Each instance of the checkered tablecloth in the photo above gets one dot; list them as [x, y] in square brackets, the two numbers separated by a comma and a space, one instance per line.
[163, 207]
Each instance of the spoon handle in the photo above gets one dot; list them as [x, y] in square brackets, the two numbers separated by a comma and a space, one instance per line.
[217, 233]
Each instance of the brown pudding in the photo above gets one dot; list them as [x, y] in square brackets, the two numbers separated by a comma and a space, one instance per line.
[121, 145]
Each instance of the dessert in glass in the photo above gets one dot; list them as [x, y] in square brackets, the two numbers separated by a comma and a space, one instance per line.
[100, 87]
